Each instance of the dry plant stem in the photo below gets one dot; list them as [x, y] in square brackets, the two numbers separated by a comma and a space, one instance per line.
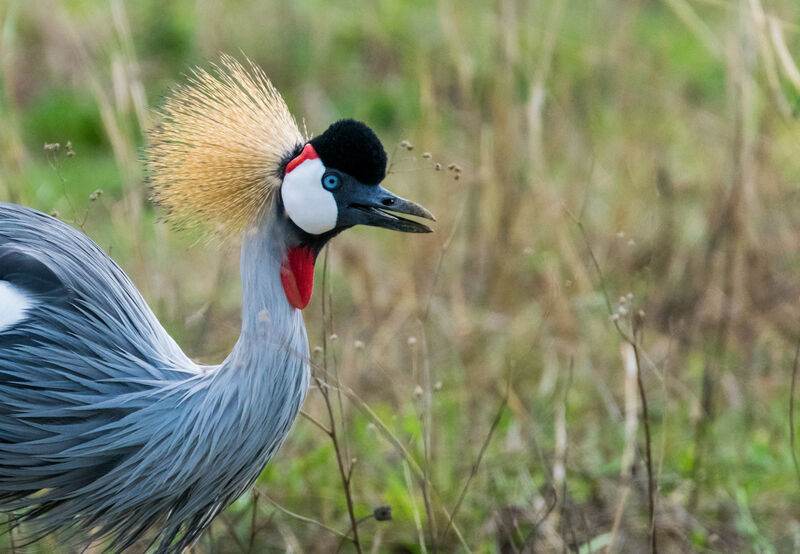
[347, 535]
[231, 528]
[253, 527]
[533, 532]
[445, 249]
[327, 294]
[648, 451]
[427, 419]
[734, 232]
[315, 421]
[414, 510]
[791, 414]
[11, 536]
[566, 519]
[618, 519]
[627, 459]
[306, 519]
[405, 455]
[645, 419]
[427, 429]
[345, 472]
[346, 475]
[55, 163]
[476, 465]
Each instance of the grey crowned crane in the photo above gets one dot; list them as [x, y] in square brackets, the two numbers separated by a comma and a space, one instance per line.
[107, 429]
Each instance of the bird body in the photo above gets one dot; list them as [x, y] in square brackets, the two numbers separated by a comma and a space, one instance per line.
[107, 429]
[96, 397]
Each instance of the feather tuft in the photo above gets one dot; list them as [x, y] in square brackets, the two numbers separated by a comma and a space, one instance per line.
[215, 158]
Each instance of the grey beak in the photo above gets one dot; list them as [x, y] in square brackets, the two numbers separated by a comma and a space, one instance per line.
[374, 205]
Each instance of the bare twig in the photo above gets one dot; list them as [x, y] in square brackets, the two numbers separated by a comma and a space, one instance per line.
[414, 510]
[404, 454]
[631, 339]
[345, 474]
[445, 247]
[306, 519]
[345, 468]
[791, 413]
[253, 527]
[11, 535]
[231, 527]
[315, 421]
[648, 451]
[426, 419]
[566, 518]
[54, 156]
[600, 275]
[476, 465]
[347, 535]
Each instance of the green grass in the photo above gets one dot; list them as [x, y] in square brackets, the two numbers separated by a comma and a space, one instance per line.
[666, 127]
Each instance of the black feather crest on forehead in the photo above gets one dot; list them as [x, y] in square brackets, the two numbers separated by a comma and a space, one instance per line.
[353, 148]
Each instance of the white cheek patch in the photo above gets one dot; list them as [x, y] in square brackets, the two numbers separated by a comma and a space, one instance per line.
[309, 205]
[13, 305]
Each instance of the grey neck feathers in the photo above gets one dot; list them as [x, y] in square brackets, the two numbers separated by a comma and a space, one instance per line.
[255, 394]
[270, 325]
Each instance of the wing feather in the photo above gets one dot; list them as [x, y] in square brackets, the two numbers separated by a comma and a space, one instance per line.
[88, 355]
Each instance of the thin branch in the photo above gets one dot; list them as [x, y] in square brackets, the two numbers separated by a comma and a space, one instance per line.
[229, 525]
[347, 535]
[632, 341]
[307, 519]
[345, 472]
[648, 451]
[791, 413]
[11, 535]
[566, 518]
[315, 421]
[414, 510]
[427, 428]
[404, 454]
[346, 476]
[476, 465]
[600, 274]
[253, 527]
[445, 247]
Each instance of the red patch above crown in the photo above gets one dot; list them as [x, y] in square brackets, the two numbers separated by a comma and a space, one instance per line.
[308, 153]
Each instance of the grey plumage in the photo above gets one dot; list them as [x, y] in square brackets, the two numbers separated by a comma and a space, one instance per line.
[106, 426]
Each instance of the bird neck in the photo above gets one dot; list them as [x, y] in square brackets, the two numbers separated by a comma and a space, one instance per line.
[257, 392]
[269, 322]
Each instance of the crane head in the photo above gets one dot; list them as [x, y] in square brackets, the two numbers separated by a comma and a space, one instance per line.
[334, 184]
[227, 155]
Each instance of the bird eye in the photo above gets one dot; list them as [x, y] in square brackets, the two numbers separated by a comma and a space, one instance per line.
[330, 181]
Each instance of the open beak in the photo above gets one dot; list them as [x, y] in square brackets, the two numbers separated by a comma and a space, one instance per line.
[376, 206]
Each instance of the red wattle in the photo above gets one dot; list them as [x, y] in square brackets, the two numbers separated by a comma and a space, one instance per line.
[297, 276]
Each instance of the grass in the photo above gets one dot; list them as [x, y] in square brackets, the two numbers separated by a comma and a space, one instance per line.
[623, 229]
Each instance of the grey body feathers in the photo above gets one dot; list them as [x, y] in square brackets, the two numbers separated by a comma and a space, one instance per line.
[106, 427]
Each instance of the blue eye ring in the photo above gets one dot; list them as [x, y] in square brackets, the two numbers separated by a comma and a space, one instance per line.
[331, 181]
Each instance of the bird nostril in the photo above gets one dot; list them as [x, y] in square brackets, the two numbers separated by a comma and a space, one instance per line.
[388, 201]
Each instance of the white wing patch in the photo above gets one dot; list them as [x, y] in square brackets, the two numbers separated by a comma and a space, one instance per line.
[13, 305]
[310, 206]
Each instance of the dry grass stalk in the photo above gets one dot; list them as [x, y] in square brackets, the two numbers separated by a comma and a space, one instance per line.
[343, 460]
[414, 509]
[631, 358]
[476, 465]
[792, 429]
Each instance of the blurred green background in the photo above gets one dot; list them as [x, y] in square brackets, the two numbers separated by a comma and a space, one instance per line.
[623, 224]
